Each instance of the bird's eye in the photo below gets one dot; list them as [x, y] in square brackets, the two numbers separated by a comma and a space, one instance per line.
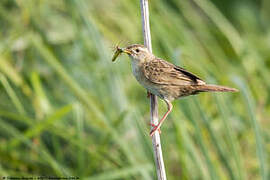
[137, 50]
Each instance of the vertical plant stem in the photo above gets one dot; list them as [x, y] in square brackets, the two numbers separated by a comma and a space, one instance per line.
[160, 168]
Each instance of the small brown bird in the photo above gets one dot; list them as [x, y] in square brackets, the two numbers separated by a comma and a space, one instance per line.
[166, 80]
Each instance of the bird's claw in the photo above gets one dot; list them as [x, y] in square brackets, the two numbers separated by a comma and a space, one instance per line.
[154, 129]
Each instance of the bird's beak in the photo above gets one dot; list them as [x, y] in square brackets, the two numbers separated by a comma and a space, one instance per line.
[127, 51]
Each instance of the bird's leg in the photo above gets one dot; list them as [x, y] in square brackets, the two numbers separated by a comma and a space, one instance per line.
[169, 106]
[148, 94]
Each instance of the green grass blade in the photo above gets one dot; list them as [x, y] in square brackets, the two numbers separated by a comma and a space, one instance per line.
[14, 98]
[232, 140]
[216, 141]
[187, 109]
[250, 106]
[37, 128]
[183, 139]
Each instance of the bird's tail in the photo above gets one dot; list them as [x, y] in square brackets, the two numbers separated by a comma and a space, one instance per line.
[214, 88]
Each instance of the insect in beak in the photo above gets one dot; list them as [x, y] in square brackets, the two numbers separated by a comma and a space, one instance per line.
[117, 53]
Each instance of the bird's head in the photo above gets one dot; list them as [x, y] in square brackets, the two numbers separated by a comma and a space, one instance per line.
[136, 52]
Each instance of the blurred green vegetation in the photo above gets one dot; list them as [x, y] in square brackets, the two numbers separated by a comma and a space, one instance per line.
[67, 110]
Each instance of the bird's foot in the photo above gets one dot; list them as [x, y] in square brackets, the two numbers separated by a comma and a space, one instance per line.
[148, 94]
[154, 129]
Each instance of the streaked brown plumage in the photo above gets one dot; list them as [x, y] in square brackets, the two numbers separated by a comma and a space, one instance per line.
[164, 79]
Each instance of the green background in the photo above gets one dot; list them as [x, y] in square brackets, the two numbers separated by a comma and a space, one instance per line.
[67, 110]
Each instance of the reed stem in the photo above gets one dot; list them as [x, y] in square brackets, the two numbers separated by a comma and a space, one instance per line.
[160, 168]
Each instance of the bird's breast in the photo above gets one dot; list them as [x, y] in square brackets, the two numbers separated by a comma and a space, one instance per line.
[137, 71]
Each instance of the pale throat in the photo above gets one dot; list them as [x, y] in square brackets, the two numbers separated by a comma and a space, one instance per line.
[136, 67]
[135, 64]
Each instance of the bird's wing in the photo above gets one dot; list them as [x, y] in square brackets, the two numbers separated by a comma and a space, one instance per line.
[162, 72]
